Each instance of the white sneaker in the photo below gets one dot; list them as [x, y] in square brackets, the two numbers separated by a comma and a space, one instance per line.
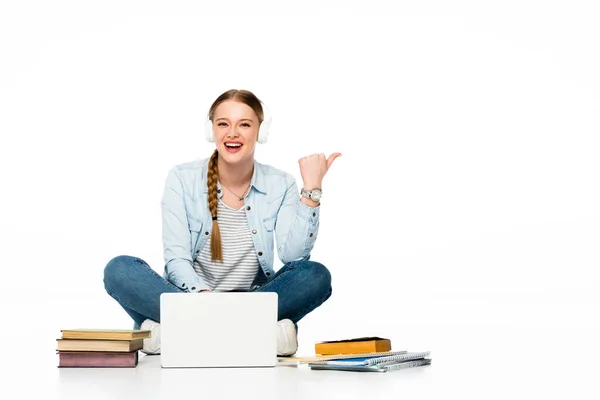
[287, 340]
[152, 344]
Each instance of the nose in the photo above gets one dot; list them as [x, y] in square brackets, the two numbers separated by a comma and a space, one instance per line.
[232, 133]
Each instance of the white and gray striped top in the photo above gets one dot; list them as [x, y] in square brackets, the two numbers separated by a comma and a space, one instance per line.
[240, 263]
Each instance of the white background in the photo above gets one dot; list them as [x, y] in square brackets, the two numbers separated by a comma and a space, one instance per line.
[465, 203]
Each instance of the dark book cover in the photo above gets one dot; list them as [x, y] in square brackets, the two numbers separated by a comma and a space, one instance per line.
[97, 359]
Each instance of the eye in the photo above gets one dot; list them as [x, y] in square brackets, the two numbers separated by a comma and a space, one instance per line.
[246, 124]
[222, 124]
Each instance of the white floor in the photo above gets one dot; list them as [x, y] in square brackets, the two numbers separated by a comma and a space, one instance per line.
[469, 362]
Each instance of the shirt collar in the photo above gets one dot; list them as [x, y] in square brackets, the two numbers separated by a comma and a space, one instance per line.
[258, 178]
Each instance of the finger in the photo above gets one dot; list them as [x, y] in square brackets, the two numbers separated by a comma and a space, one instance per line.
[309, 157]
[331, 158]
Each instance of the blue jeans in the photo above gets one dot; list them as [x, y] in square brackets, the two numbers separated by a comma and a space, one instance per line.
[301, 287]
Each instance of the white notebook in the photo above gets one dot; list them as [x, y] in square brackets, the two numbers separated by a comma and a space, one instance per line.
[385, 367]
[315, 359]
[380, 360]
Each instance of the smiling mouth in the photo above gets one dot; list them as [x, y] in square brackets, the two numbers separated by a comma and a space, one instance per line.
[232, 148]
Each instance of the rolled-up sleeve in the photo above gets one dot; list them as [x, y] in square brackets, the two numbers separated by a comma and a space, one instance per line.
[296, 227]
[177, 246]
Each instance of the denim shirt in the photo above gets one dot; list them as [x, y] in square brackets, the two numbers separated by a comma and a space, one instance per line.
[272, 206]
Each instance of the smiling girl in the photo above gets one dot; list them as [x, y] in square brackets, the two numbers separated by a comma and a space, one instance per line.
[222, 217]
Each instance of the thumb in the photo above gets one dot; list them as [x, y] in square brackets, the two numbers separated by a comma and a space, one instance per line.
[331, 158]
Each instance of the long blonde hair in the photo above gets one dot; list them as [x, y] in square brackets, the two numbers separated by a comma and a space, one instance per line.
[248, 98]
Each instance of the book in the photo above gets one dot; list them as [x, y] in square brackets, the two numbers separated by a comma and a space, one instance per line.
[319, 358]
[377, 360]
[353, 346]
[385, 367]
[122, 346]
[97, 359]
[105, 334]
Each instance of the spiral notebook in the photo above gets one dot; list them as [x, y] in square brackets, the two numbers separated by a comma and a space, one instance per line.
[383, 367]
[309, 359]
[378, 360]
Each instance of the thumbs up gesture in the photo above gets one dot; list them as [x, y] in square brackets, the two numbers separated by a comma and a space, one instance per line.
[314, 167]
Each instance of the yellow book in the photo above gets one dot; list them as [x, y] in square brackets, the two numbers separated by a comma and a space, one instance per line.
[353, 346]
[99, 345]
[105, 334]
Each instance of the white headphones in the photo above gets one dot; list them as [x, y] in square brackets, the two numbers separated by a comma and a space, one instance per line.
[263, 130]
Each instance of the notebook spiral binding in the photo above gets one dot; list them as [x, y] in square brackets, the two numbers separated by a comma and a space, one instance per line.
[407, 364]
[396, 358]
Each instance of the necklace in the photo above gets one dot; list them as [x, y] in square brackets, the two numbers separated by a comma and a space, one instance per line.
[241, 198]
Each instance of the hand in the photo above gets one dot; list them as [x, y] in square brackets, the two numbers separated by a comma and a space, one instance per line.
[205, 291]
[314, 167]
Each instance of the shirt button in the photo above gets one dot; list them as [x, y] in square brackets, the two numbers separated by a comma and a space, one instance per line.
[314, 214]
[254, 231]
[183, 285]
[206, 233]
[193, 287]
[260, 253]
[268, 274]
[248, 208]
[311, 235]
[219, 191]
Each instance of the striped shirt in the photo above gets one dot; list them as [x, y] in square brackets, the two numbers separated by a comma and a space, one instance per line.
[240, 263]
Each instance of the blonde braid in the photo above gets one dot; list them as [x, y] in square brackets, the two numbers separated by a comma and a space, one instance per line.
[216, 250]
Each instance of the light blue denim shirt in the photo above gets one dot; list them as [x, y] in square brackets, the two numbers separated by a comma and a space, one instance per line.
[272, 206]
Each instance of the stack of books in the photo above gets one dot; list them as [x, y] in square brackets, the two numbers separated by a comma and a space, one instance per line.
[366, 354]
[112, 348]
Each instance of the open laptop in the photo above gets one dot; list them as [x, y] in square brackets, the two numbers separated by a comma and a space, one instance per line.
[218, 329]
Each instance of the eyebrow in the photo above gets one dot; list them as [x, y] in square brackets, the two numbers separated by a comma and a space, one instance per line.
[243, 119]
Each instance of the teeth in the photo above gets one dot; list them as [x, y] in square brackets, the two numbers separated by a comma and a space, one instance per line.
[233, 144]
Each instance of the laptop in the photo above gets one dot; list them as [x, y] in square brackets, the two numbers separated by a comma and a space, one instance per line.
[218, 329]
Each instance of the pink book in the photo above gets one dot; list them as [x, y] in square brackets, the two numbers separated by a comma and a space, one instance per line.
[97, 359]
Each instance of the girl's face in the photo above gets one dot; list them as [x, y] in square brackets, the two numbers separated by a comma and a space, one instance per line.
[235, 129]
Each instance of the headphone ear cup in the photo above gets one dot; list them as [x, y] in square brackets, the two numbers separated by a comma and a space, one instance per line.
[265, 126]
[208, 128]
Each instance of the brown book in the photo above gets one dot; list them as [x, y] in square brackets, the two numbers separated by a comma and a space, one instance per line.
[353, 346]
[107, 334]
[97, 359]
[120, 346]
